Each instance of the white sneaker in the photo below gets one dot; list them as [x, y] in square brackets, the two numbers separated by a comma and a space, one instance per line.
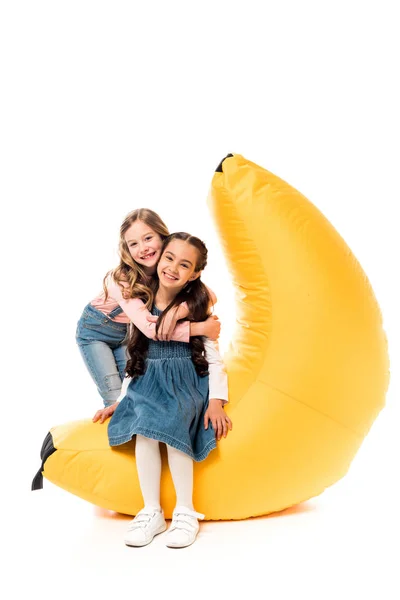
[148, 522]
[184, 527]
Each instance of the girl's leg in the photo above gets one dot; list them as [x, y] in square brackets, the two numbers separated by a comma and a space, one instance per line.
[148, 464]
[100, 361]
[181, 467]
[150, 520]
[121, 357]
[185, 525]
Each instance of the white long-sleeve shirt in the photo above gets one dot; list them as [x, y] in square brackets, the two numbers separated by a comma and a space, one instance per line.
[218, 378]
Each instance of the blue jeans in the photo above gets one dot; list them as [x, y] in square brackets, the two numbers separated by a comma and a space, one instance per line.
[102, 343]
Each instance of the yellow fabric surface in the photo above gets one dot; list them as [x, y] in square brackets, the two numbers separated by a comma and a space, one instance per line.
[307, 365]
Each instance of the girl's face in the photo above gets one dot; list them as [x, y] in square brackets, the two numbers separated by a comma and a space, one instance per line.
[177, 265]
[144, 245]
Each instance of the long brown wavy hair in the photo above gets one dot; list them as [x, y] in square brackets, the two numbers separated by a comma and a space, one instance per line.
[195, 294]
[130, 271]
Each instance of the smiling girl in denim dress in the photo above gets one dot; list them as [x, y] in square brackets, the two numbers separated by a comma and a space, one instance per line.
[168, 401]
[103, 327]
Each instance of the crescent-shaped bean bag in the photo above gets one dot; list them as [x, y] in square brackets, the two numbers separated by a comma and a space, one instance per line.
[307, 365]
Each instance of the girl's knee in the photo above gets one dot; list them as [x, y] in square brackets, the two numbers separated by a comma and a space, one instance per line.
[145, 440]
[110, 388]
[176, 453]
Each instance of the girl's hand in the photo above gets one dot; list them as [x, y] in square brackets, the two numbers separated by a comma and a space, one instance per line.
[212, 327]
[167, 328]
[104, 413]
[220, 421]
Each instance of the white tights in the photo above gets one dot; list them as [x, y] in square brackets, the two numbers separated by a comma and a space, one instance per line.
[148, 463]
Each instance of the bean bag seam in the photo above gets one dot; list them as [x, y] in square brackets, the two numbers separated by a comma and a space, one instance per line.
[355, 433]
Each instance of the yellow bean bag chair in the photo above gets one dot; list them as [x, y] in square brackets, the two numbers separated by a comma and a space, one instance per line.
[307, 365]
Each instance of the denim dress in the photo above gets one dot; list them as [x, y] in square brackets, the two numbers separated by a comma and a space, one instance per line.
[102, 344]
[167, 403]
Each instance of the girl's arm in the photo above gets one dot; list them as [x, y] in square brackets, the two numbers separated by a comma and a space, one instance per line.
[206, 328]
[218, 392]
[218, 378]
[138, 313]
[184, 310]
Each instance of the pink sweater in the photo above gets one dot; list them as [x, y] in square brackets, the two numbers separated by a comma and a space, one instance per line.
[135, 310]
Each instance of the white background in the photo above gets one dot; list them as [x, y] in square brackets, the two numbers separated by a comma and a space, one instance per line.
[111, 106]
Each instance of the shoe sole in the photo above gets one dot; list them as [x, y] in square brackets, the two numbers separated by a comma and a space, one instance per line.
[175, 546]
[160, 530]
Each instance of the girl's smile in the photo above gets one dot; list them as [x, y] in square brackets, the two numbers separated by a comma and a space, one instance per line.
[169, 276]
[177, 265]
[148, 256]
[144, 245]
